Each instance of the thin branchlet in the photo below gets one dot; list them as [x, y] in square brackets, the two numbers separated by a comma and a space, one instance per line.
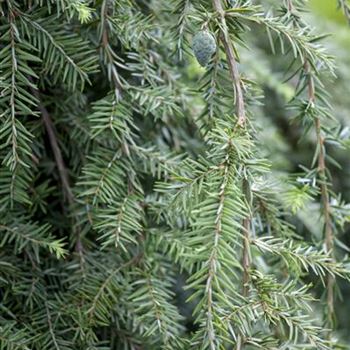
[213, 260]
[323, 180]
[328, 230]
[61, 167]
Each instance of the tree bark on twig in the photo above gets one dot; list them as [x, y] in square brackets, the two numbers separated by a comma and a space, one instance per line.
[328, 230]
[61, 167]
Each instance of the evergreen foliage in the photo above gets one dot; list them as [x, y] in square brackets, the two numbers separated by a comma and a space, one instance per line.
[143, 204]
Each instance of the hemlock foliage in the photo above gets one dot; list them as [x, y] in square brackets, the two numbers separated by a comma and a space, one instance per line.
[147, 203]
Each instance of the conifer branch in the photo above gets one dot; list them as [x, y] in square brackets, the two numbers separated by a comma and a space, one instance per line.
[96, 308]
[59, 50]
[328, 230]
[241, 115]
[217, 219]
[213, 260]
[246, 246]
[108, 49]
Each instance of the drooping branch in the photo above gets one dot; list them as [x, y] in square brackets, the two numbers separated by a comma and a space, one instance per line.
[61, 167]
[241, 115]
[213, 260]
[328, 230]
[326, 209]
[50, 129]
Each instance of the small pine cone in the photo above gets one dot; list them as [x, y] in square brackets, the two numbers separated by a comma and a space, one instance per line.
[204, 46]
